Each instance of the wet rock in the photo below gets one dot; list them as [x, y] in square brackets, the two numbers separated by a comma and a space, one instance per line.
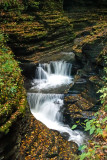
[9, 144]
[27, 84]
[78, 87]
[95, 79]
[77, 41]
[65, 135]
[74, 146]
[84, 104]
[91, 51]
[88, 114]
[76, 116]
[74, 109]
[84, 33]
[82, 115]
[81, 72]
[65, 56]
[80, 102]
[28, 70]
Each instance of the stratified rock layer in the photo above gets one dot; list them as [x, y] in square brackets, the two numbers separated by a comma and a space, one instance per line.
[33, 35]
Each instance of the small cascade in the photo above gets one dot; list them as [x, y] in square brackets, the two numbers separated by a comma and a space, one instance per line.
[57, 67]
[47, 109]
[47, 106]
[41, 73]
[52, 75]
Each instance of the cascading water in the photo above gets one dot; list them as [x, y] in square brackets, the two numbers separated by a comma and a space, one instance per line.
[57, 68]
[47, 107]
[52, 75]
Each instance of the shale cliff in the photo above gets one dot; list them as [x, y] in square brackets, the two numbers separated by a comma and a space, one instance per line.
[36, 28]
[30, 32]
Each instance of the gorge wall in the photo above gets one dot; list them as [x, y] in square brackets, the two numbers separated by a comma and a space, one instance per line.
[35, 28]
[31, 31]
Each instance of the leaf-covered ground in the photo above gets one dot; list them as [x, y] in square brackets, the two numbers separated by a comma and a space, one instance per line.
[40, 142]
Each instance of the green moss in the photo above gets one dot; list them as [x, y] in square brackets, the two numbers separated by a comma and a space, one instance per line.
[12, 93]
[9, 4]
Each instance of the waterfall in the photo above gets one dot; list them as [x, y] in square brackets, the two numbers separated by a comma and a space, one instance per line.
[57, 67]
[52, 75]
[41, 73]
[47, 108]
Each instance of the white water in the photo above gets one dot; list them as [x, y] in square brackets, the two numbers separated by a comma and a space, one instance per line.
[47, 107]
[52, 75]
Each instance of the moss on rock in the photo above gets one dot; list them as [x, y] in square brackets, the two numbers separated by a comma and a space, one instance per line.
[12, 93]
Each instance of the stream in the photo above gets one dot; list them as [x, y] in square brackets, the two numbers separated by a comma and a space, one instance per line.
[46, 97]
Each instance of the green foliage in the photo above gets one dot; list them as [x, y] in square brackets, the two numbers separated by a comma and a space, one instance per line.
[97, 126]
[31, 5]
[74, 126]
[12, 94]
[52, 5]
[8, 4]
[3, 39]
[94, 126]
[103, 90]
[88, 155]
[82, 147]
[34, 4]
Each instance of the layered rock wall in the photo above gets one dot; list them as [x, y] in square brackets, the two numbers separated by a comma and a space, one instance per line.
[36, 28]
[82, 3]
